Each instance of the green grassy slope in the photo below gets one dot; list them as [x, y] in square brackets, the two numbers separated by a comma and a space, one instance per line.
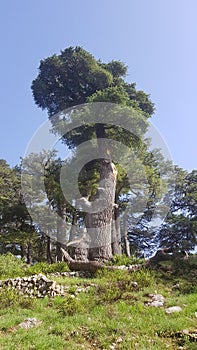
[111, 314]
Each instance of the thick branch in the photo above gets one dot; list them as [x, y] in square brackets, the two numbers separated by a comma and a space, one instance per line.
[93, 266]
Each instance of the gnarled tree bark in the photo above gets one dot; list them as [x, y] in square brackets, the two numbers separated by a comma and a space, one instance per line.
[99, 224]
[93, 266]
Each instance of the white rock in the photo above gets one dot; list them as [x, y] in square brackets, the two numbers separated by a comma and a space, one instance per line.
[156, 303]
[172, 309]
[119, 340]
[29, 323]
[134, 284]
[157, 300]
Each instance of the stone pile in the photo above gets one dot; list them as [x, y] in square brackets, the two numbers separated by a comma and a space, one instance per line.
[84, 274]
[156, 300]
[36, 286]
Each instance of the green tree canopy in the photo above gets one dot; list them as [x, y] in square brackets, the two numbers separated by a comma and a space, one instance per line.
[180, 229]
[70, 79]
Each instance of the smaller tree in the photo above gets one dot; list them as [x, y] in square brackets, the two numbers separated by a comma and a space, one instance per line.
[180, 229]
[18, 233]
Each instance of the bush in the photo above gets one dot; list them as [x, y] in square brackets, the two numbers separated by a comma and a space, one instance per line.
[43, 267]
[115, 285]
[10, 266]
[69, 306]
[11, 298]
[119, 260]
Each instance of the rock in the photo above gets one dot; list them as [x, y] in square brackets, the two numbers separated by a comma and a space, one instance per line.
[122, 267]
[134, 284]
[172, 309]
[176, 286]
[119, 340]
[72, 273]
[156, 303]
[29, 323]
[157, 300]
[135, 267]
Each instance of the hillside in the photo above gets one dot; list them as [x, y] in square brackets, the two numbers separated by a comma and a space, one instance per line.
[108, 310]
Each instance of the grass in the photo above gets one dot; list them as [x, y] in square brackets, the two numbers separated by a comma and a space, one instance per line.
[111, 315]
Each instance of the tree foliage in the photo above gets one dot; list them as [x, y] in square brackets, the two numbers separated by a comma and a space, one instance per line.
[16, 228]
[70, 79]
[180, 229]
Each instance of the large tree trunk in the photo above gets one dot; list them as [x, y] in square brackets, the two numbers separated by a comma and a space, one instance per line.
[99, 224]
[100, 210]
[90, 266]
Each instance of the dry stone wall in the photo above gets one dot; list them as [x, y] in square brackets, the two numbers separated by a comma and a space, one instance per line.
[36, 286]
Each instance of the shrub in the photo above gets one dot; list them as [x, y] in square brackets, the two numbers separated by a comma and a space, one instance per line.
[10, 266]
[144, 278]
[119, 260]
[11, 298]
[118, 284]
[114, 285]
[43, 267]
[69, 306]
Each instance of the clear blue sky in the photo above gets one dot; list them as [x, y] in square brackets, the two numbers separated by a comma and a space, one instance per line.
[157, 39]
